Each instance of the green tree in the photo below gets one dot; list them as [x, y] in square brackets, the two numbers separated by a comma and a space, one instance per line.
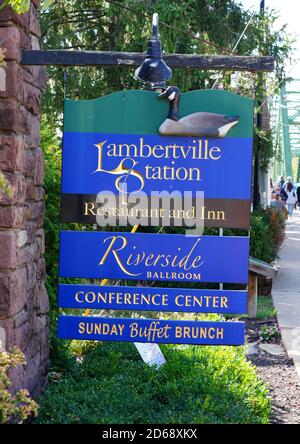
[192, 26]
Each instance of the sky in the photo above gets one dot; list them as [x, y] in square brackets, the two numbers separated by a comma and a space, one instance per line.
[289, 13]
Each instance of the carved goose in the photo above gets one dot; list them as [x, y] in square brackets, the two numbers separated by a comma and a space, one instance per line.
[199, 124]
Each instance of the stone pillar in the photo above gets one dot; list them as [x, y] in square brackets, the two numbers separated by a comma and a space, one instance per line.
[23, 297]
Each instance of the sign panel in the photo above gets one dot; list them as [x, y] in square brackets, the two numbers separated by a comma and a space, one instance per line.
[112, 144]
[152, 299]
[146, 256]
[220, 213]
[149, 163]
[151, 330]
[131, 159]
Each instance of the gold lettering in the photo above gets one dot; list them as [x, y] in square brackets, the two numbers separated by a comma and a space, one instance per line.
[221, 215]
[177, 300]
[134, 330]
[127, 150]
[197, 301]
[100, 147]
[197, 171]
[215, 302]
[151, 332]
[90, 297]
[220, 333]
[114, 252]
[203, 332]
[214, 149]
[81, 327]
[158, 148]
[142, 147]
[211, 333]
[77, 296]
[89, 328]
[97, 329]
[89, 208]
[211, 215]
[114, 330]
[178, 332]
[186, 332]
[112, 150]
[224, 301]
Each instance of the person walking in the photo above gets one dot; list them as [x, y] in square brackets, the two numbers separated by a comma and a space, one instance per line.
[289, 180]
[291, 198]
[278, 204]
[298, 196]
[282, 192]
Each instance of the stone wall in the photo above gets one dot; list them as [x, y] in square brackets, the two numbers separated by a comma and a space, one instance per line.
[23, 297]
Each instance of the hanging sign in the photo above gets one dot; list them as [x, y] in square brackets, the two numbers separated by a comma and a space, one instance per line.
[152, 299]
[151, 330]
[139, 158]
[122, 146]
[141, 256]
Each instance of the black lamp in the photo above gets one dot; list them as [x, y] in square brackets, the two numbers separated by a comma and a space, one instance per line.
[154, 71]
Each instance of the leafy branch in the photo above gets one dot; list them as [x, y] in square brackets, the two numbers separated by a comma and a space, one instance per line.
[18, 6]
[22, 6]
[19, 407]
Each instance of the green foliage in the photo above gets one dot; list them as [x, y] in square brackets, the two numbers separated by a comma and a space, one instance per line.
[267, 233]
[52, 154]
[268, 333]
[5, 187]
[2, 63]
[45, 4]
[264, 146]
[19, 407]
[22, 6]
[265, 308]
[192, 27]
[51, 146]
[19, 6]
[199, 385]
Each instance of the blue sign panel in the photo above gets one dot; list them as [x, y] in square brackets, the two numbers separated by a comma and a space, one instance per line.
[94, 162]
[152, 299]
[146, 256]
[151, 330]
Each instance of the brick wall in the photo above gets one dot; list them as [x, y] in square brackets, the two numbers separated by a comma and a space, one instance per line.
[23, 297]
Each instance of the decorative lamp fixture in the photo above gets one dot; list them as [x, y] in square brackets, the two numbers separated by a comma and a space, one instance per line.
[154, 71]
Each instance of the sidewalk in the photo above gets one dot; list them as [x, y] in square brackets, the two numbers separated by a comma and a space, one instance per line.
[286, 290]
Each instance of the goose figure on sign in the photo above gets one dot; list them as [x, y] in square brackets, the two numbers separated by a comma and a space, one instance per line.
[200, 124]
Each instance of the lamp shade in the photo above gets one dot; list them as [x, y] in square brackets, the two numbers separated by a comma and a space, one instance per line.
[154, 71]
